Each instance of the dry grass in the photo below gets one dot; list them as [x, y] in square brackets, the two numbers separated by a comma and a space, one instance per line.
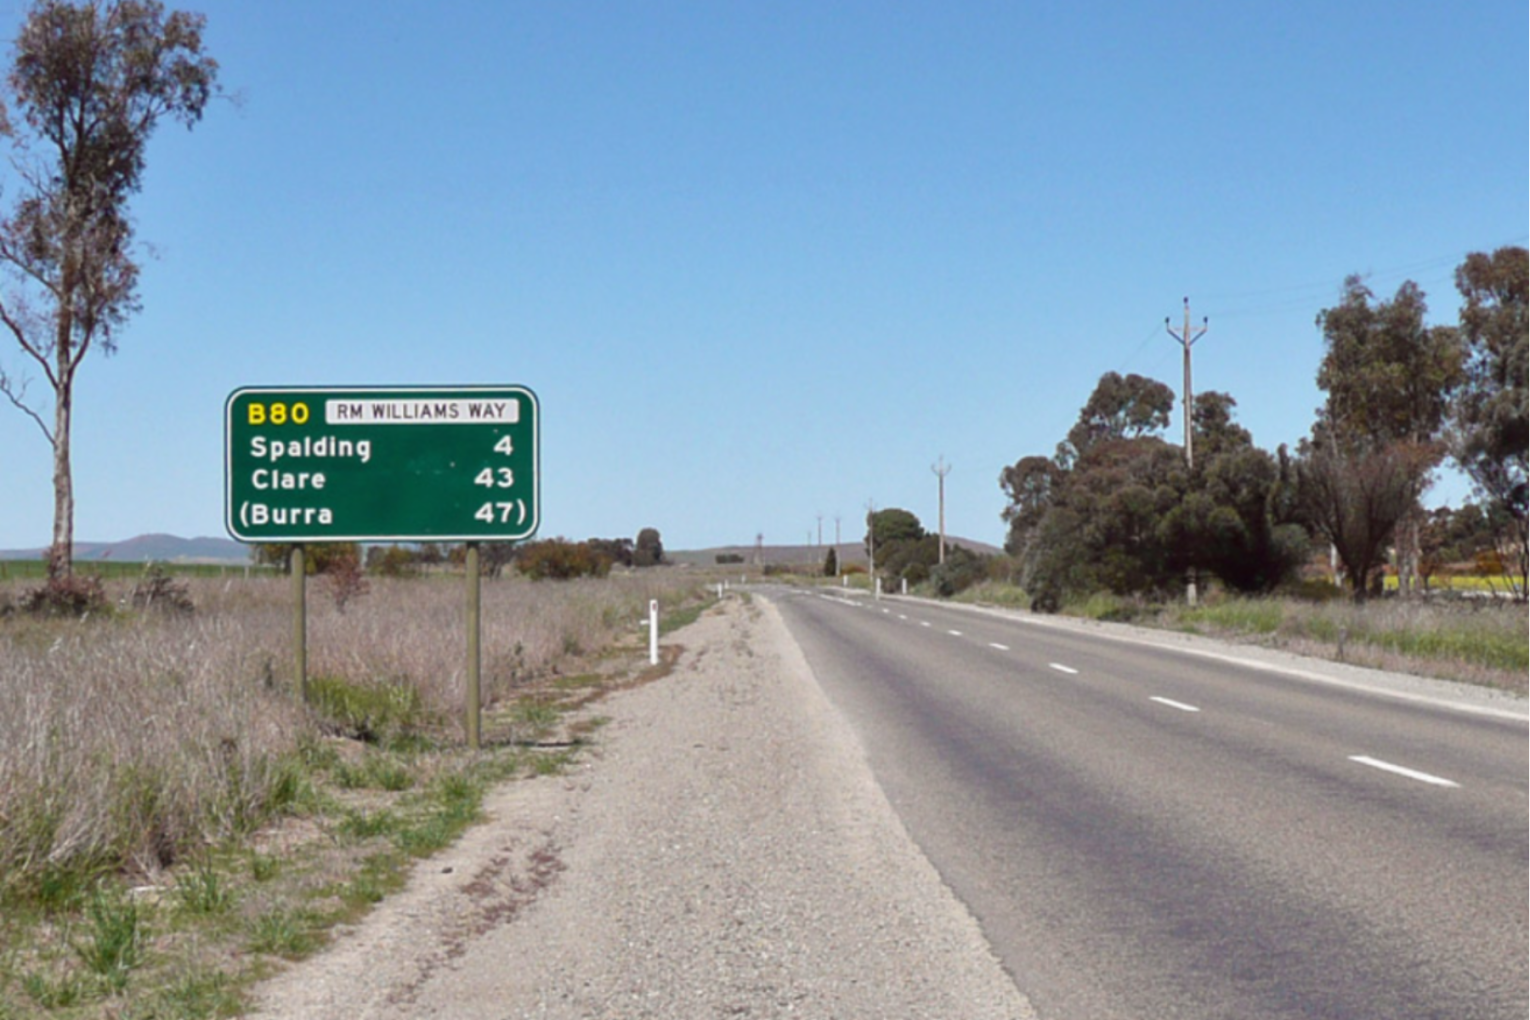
[1477, 641]
[125, 741]
[169, 752]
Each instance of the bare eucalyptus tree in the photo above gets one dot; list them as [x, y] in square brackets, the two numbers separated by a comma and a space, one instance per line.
[89, 84]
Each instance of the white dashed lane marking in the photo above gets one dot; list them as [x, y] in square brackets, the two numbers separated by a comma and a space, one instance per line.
[1399, 770]
[1175, 704]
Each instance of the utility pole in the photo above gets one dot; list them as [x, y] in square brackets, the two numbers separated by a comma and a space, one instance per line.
[941, 470]
[820, 529]
[1187, 340]
[871, 540]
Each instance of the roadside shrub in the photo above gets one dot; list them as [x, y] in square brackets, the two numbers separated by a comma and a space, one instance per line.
[71, 595]
[157, 591]
[961, 571]
[391, 561]
[557, 559]
[344, 581]
[1313, 589]
[369, 712]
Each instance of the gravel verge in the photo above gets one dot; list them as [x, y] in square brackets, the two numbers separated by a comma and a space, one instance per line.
[723, 852]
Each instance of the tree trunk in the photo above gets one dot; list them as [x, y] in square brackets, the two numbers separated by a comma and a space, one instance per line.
[61, 554]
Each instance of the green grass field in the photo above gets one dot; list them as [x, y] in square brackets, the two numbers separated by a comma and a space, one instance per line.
[113, 570]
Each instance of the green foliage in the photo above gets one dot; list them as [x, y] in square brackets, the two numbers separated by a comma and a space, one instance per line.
[1239, 519]
[831, 563]
[378, 876]
[962, 569]
[202, 892]
[361, 825]
[1354, 498]
[1389, 378]
[290, 933]
[1030, 485]
[535, 716]
[1492, 411]
[391, 561]
[263, 867]
[198, 995]
[617, 550]
[1120, 511]
[318, 557]
[113, 945]
[68, 989]
[908, 559]
[377, 770]
[370, 712]
[892, 543]
[87, 87]
[649, 551]
[1119, 408]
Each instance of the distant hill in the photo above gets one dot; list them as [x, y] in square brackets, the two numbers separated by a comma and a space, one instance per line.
[147, 548]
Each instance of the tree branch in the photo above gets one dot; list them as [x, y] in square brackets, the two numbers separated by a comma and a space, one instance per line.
[15, 395]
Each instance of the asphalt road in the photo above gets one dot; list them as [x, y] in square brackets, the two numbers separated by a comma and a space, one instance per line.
[1144, 833]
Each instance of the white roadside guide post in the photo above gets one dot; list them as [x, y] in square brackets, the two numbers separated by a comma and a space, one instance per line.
[653, 632]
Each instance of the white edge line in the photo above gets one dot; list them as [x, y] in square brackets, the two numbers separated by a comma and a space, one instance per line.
[1387, 766]
[1175, 704]
[1061, 668]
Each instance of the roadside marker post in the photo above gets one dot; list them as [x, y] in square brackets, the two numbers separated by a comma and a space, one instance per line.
[653, 632]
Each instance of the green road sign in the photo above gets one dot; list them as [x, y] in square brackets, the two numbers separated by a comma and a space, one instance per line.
[414, 464]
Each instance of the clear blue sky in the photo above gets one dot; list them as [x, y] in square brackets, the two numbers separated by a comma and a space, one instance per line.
[765, 261]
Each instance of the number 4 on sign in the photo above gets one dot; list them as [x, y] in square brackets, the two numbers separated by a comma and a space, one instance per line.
[504, 446]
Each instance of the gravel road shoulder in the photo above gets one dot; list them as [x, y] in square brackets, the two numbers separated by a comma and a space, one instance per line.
[723, 852]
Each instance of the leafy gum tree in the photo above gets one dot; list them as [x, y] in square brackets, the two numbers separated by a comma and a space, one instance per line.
[1491, 430]
[90, 83]
[885, 528]
[1390, 380]
[649, 550]
[1119, 510]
